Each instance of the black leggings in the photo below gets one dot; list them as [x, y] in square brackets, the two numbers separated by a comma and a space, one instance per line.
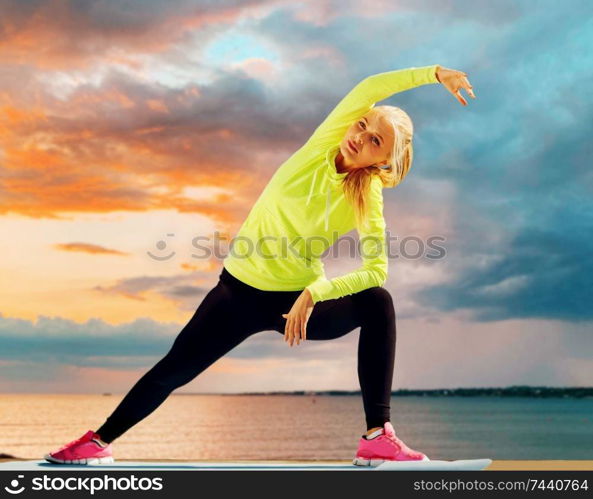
[233, 311]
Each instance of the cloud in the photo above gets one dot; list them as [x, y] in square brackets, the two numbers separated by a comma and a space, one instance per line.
[88, 248]
[81, 33]
[539, 274]
[54, 340]
[62, 356]
[105, 148]
[322, 13]
[95, 343]
[178, 288]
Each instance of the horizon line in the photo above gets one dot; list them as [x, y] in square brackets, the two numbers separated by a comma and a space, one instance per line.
[531, 388]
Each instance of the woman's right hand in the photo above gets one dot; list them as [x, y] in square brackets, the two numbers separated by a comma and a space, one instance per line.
[453, 81]
[295, 328]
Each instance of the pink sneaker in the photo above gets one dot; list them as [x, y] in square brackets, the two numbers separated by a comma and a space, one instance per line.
[84, 450]
[383, 445]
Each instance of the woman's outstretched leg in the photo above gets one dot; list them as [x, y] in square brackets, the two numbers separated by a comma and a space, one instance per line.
[212, 332]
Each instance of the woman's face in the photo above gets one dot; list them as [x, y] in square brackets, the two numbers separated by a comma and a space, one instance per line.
[369, 141]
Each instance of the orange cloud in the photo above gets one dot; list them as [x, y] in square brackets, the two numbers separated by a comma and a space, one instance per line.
[259, 68]
[101, 96]
[125, 143]
[88, 248]
[210, 265]
[11, 117]
[60, 160]
[157, 105]
[322, 12]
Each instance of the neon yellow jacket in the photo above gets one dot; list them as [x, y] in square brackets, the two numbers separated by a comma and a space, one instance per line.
[303, 211]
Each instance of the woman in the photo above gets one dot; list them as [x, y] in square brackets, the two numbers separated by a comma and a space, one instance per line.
[330, 186]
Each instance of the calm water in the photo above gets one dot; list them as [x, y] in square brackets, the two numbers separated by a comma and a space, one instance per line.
[303, 427]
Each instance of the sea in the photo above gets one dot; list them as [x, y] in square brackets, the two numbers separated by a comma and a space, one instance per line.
[303, 427]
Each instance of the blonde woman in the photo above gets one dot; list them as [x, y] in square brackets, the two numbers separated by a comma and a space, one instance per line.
[273, 278]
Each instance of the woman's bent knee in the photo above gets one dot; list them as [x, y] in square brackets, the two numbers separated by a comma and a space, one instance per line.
[377, 302]
[379, 295]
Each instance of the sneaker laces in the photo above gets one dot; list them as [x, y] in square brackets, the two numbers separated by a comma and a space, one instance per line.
[74, 442]
[390, 438]
[395, 440]
[402, 446]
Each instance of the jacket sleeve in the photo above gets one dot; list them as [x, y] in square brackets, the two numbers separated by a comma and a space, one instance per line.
[365, 94]
[373, 271]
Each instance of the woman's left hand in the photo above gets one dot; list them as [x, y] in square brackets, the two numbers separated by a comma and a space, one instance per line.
[454, 81]
[296, 320]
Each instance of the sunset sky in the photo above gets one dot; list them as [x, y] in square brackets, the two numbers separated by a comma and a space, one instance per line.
[128, 128]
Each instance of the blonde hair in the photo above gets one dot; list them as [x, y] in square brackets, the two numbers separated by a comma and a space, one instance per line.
[357, 182]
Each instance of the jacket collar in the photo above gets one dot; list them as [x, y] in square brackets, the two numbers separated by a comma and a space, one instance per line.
[334, 177]
[330, 161]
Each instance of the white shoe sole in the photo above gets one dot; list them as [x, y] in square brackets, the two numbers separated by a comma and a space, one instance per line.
[90, 460]
[360, 461]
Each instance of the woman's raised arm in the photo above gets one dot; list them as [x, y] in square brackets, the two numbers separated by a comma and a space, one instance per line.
[365, 94]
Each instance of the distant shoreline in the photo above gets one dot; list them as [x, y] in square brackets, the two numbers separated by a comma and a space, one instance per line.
[510, 391]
